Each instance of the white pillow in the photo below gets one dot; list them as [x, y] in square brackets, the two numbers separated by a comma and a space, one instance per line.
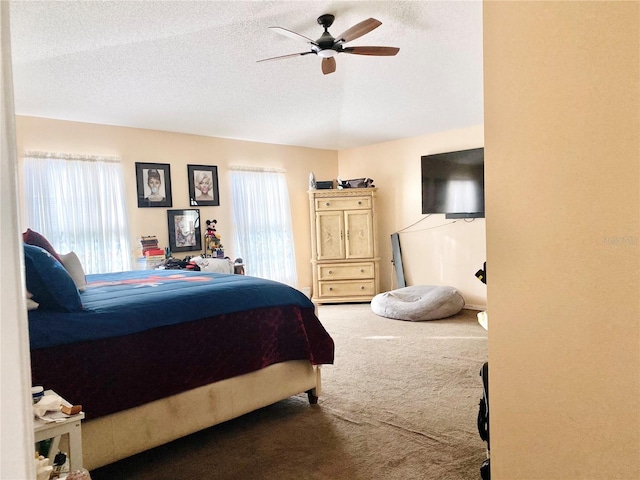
[72, 264]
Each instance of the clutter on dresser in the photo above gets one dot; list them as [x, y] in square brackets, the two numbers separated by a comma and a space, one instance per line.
[355, 183]
[324, 185]
[319, 184]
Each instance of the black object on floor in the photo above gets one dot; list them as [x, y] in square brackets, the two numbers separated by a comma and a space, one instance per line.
[483, 420]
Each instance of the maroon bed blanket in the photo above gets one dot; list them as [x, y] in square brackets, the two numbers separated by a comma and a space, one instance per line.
[113, 374]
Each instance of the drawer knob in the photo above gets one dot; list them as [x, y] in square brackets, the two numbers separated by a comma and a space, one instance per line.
[330, 289]
[359, 203]
[361, 287]
[326, 204]
[330, 272]
[362, 270]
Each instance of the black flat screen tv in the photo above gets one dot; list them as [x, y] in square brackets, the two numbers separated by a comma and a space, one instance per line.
[453, 183]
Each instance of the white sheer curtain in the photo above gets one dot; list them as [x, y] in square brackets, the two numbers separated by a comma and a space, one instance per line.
[262, 219]
[77, 203]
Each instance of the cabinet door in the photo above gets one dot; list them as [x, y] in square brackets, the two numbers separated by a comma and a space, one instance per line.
[359, 233]
[330, 235]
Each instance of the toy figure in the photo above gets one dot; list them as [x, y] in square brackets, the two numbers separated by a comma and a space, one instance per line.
[212, 243]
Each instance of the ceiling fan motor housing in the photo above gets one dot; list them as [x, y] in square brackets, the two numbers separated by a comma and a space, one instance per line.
[326, 45]
[326, 20]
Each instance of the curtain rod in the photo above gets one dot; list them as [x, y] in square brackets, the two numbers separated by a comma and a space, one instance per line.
[70, 156]
[256, 169]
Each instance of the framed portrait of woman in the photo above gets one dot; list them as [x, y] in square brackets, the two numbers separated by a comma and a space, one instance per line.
[153, 182]
[203, 185]
[184, 230]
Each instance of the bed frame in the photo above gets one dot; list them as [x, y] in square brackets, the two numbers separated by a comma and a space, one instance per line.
[119, 435]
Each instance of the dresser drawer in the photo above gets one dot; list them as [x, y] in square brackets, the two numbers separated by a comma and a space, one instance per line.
[344, 271]
[343, 203]
[347, 288]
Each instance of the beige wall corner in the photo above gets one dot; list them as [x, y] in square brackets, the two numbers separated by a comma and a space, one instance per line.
[435, 251]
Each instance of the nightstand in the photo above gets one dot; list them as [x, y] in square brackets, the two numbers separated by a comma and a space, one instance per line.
[69, 426]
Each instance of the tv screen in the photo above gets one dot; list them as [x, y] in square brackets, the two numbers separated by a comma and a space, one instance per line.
[453, 183]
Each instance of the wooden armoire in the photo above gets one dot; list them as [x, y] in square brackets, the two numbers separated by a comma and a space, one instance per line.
[344, 250]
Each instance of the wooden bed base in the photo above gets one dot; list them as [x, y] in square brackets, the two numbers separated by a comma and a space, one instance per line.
[114, 437]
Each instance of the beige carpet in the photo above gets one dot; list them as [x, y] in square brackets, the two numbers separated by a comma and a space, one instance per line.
[400, 403]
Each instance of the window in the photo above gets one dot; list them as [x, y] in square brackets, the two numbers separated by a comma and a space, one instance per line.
[262, 220]
[77, 203]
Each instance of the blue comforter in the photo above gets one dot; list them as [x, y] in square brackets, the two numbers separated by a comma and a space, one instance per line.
[122, 303]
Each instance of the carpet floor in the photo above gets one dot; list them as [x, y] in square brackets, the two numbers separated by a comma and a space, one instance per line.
[400, 403]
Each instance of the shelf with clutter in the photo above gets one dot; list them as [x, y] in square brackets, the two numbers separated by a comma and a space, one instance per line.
[211, 260]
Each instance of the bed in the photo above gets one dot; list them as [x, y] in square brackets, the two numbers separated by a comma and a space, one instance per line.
[156, 355]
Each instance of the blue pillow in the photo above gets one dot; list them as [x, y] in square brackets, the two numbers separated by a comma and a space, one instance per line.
[49, 282]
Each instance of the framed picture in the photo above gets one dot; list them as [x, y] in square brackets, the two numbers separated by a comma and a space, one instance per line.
[203, 185]
[154, 184]
[184, 230]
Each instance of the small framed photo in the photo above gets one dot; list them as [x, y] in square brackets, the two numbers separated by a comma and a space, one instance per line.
[154, 184]
[184, 230]
[203, 185]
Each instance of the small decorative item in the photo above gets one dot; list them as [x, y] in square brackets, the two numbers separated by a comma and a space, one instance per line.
[184, 230]
[238, 266]
[212, 245]
[203, 185]
[154, 184]
[312, 181]
[324, 185]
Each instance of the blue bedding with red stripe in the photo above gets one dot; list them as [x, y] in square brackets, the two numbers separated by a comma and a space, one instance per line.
[123, 303]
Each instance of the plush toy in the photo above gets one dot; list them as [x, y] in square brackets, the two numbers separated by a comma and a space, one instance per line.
[212, 243]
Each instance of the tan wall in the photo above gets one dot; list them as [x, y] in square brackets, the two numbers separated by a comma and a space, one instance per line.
[138, 145]
[562, 174]
[435, 251]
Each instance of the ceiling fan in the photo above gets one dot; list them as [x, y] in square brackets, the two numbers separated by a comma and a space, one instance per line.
[328, 46]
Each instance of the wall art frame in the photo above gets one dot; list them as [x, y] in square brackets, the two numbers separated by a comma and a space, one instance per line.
[203, 185]
[184, 230]
[153, 181]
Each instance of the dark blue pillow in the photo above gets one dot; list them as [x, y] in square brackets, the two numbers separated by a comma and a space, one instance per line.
[49, 282]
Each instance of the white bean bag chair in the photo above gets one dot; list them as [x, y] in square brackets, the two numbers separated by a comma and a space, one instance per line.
[418, 303]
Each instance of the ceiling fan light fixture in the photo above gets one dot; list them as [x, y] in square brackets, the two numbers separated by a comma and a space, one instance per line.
[327, 53]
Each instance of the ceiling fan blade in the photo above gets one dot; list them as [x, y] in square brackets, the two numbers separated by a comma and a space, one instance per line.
[284, 56]
[358, 30]
[328, 65]
[378, 51]
[294, 35]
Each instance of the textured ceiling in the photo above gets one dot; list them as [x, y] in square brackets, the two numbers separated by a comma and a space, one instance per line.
[191, 67]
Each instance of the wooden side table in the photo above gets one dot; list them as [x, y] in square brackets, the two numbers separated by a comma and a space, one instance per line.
[69, 426]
